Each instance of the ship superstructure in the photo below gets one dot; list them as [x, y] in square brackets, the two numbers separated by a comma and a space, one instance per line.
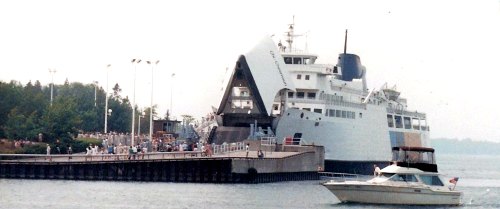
[282, 91]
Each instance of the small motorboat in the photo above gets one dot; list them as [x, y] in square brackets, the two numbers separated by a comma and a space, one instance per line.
[397, 185]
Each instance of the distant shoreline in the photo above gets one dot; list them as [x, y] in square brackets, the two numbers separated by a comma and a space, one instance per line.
[465, 146]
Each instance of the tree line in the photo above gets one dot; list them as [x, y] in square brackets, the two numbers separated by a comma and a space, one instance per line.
[26, 111]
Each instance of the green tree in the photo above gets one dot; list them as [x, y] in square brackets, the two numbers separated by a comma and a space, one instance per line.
[61, 120]
[15, 125]
[10, 97]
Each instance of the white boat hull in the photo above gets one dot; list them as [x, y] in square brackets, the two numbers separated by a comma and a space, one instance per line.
[381, 194]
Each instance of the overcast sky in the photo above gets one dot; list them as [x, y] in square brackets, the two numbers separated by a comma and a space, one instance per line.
[442, 55]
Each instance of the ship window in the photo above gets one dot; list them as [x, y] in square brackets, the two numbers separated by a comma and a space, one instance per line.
[332, 113]
[399, 121]
[290, 94]
[307, 77]
[300, 95]
[407, 121]
[344, 114]
[308, 109]
[318, 110]
[390, 121]
[353, 114]
[415, 123]
[297, 60]
[326, 112]
[360, 115]
[338, 113]
[431, 180]
[306, 61]
[299, 76]
[311, 95]
[275, 107]
[423, 125]
[288, 60]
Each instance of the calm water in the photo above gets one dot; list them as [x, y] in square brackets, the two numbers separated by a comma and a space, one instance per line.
[479, 180]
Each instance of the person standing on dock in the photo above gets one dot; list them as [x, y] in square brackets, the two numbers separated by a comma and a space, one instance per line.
[69, 150]
[247, 148]
[48, 150]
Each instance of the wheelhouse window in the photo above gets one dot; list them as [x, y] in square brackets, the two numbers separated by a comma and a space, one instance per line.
[344, 114]
[290, 94]
[431, 180]
[308, 109]
[331, 113]
[390, 121]
[311, 95]
[300, 95]
[416, 123]
[399, 121]
[307, 77]
[306, 61]
[299, 76]
[407, 122]
[288, 60]
[297, 60]
[318, 110]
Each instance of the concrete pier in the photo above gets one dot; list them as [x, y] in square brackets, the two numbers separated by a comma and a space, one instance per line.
[231, 167]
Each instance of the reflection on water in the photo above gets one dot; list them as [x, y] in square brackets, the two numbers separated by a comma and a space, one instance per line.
[479, 180]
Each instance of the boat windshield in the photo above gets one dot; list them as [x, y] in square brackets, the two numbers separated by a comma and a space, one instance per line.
[387, 175]
[431, 180]
[403, 177]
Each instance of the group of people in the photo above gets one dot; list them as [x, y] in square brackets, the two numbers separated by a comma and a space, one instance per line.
[137, 151]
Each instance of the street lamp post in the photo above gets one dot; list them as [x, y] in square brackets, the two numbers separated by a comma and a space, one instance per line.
[95, 93]
[52, 72]
[106, 108]
[139, 126]
[151, 108]
[171, 93]
[134, 62]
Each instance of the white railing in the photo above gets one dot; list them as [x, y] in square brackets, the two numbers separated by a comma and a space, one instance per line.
[342, 177]
[288, 141]
[227, 148]
[268, 140]
[99, 157]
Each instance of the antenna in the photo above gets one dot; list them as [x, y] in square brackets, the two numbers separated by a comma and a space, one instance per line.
[290, 34]
[345, 42]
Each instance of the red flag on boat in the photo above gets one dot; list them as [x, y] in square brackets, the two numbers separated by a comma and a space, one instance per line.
[454, 180]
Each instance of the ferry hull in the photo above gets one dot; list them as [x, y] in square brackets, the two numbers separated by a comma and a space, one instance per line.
[379, 194]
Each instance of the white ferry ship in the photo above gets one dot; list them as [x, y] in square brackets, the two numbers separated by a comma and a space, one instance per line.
[287, 94]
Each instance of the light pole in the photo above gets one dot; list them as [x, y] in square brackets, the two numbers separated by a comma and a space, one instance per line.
[95, 93]
[52, 72]
[134, 62]
[151, 108]
[171, 93]
[139, 126]
[106, 109]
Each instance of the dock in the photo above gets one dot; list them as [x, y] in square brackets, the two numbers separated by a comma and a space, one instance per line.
[291, 163]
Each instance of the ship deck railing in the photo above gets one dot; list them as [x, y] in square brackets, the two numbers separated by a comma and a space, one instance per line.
[342, 177]
[267, 140]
